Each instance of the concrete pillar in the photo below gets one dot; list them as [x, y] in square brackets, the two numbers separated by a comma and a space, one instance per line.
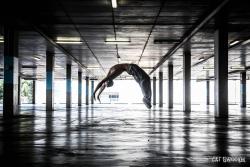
[160, 89]
[68, 85]
[243, 89]
[10, 94]
[87, 91]
[19, 90]
[208, 92]
[187, 78]
[221, 65]
[34, 92]
[50, 57]
[79, 88]
[92, 91]
[170, 86]
[154, 91]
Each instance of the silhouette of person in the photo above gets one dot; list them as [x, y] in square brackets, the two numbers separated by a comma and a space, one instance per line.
[140, 76]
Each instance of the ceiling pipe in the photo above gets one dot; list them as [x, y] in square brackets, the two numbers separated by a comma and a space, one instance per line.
[58, 46]
[81, 36]
[203, 61]
[230, 72]
[113, 24]
[151, 30]
[189, 35]
[242, 42]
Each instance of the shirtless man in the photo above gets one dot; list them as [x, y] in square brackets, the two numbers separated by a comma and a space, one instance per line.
[139, 75]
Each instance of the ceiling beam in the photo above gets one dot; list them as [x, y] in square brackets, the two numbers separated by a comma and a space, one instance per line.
[189, 34]
[117, 24]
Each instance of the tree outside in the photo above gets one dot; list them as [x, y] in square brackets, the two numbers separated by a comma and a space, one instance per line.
[26, 91]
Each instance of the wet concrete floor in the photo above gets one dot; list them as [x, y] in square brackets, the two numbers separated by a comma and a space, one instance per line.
[125, 135]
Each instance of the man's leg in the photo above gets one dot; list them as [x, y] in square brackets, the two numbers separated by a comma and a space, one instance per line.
[146, 91]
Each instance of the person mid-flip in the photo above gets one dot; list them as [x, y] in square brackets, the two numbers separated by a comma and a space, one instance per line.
[139, 75]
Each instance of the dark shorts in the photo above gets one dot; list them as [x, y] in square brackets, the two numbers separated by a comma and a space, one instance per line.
[142, 79]
[138, 73]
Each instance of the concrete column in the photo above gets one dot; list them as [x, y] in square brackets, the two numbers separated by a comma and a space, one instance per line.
[79, 88]
[170, 86]
[154, 91]
[50, 57]
[243, 89]
[34, 92]
[160, 89]
[208, 92]
[10, 94]
[92, 91]
[68, 85]
[187, 78]
[87, 91]
[221, 65]
[19, 90]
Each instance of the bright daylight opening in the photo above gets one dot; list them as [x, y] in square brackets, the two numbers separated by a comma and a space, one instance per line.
[127, 92]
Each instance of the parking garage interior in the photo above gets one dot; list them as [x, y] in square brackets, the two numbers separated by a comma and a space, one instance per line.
[54, 53]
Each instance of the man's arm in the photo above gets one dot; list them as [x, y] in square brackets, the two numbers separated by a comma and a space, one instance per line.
[99, 85]
[101, 90]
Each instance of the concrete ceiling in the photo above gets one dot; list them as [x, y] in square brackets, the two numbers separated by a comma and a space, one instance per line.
[141, 21]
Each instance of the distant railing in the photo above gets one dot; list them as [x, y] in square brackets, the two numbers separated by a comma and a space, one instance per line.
[112, 96]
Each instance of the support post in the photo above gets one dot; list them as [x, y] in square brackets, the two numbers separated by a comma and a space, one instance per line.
[34, 92]
[221, 65]
[19, 90]
[170, 86]
[243, 89]
[160, 89]
[187, 78]
[87, 90]
[92, 91]
[154, 91]
[208, 92]
[79, 88]
[10, 94]
[50, 56]
[68, 85]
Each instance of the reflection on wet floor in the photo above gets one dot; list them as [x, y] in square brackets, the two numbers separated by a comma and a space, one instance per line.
[120, 135]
